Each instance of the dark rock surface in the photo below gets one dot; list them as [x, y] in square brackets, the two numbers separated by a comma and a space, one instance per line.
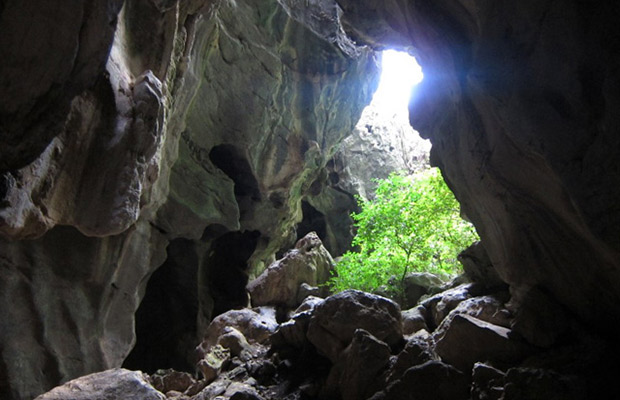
[335, 320]
[517, 101]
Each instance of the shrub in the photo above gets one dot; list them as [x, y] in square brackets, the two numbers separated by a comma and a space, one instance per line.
[412, 224]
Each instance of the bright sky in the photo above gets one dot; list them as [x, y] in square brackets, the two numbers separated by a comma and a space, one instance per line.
[400, 72]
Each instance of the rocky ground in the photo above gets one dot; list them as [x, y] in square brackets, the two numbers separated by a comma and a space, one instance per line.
[464, 342]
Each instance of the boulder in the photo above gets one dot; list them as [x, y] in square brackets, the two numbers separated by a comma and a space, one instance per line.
[335, 320]
[362, 361]
[487, 308]
[309, 262]
[462, 340]
[256, 325]
[241, 391]
[442, 303]
[170, 380]
[432, 380]
[417, 351]
[293, 332]
[414, 320]
[418, 284]
[113, 384]
[487, 382]
[213, 362]
[234, 341]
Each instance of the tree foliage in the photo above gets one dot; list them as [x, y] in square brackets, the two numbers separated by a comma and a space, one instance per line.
[412, 224]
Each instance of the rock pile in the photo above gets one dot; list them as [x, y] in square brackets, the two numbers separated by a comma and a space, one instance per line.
[462, 343]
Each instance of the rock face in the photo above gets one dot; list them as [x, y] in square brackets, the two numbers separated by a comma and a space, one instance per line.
[110, 384]
[121, 130]
[280, 283]
[127, 125]
[517, 102]
[335, 320]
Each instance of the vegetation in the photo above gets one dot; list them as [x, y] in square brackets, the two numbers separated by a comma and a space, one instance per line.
[412, 224]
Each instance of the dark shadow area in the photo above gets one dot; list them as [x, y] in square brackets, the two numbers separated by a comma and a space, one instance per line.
[230, 160]
[225, 269]
[166, 318]
[313, 220]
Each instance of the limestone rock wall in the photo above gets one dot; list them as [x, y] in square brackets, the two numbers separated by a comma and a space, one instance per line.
[519, 103]
[126, 125]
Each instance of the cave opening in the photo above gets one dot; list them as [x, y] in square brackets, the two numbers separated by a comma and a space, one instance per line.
[400, 72]
[225, 270]
[166, 319]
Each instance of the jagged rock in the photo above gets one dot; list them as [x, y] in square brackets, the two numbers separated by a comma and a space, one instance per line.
[462, 340]
[335, 320]
[309, 262]
[125, 134]
[256, 325]
[212, 362]
[167, 380]
[294, 331]
[487, 382]
[111, 384]
[414, 320]
[440, 305]
[418, 284]
[234, 341]
[362, 361]
[519, 100]
[381, 143]
[241, 391]
[305, 291]
[213, 390]
[524, 161]
[487, 308]
[418, 350]
[432, 380]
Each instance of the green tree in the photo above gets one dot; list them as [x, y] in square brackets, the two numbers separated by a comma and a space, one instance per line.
[412, 224]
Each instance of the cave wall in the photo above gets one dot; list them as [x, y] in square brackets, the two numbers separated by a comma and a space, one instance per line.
[519, 103]
[127, 125]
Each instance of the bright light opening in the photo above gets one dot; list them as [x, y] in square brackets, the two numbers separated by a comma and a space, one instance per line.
[400, 72]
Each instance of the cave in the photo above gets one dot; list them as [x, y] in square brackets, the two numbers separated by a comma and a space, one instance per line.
[129, 129]
[225, 269]
[170, 300]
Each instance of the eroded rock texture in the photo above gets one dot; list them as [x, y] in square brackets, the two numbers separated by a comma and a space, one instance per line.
[518, 101]
[127, 125]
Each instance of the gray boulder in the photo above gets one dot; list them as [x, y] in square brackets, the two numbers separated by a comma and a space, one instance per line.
[251, 326]
[432, 380]
[309, 262]
[336, 319]
[414, 320]
[363, 360]
[113, 384]
[462, 340]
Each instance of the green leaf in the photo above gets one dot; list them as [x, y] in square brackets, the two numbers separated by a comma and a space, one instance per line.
[412, 224]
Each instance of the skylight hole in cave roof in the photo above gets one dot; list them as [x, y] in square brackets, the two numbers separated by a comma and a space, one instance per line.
[389, 108]
[400, 72]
